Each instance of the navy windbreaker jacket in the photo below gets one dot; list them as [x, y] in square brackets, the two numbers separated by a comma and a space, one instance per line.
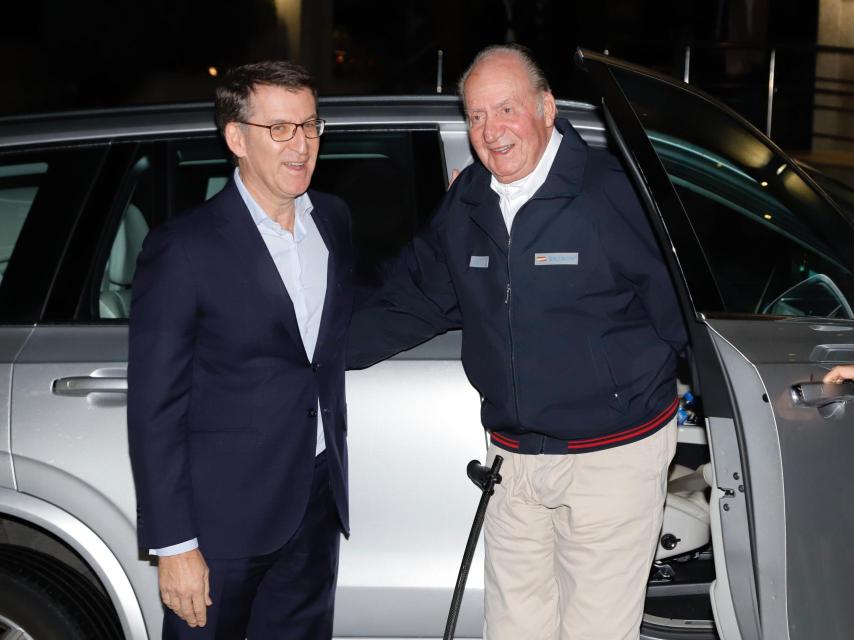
[570, 323]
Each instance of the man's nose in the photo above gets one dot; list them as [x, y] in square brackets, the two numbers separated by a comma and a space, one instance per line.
[491, 130]
[299, 142]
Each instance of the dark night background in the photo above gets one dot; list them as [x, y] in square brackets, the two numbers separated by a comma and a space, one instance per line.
[68, 55]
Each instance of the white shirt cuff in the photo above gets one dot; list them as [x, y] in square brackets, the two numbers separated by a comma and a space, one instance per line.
[175, 549]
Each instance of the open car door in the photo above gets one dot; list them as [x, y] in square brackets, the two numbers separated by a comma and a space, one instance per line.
[764, 267]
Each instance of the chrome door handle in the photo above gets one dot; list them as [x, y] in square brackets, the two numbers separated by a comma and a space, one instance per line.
[829, 398]
[81, 386]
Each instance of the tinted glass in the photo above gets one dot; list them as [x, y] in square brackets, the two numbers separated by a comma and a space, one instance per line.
[42, 194]
[392, 180]
[19, 184]
[773, 244]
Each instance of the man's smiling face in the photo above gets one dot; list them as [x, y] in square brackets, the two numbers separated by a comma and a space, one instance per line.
[510, 122]
[275, 172]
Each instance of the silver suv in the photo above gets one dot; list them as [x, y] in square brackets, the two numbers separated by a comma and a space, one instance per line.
[758, 521]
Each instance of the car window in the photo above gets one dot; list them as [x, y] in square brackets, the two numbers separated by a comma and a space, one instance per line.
[392, 181]
[19, 184]
[773, 244]
[42, 193]
[136, 219]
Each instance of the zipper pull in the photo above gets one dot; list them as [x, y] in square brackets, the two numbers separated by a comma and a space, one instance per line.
[507, 296]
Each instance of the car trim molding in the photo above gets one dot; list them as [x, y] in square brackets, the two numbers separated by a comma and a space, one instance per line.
[89, 546]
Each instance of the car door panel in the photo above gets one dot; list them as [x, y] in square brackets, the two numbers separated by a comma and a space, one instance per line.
[12, 339]
[414, 425]
[750, 435]
[711, 188]
[72, 450]
[810, 485]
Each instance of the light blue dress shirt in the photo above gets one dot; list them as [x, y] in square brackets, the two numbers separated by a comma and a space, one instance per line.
[301, 259]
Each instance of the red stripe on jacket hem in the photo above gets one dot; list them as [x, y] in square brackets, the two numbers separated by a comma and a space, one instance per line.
[628, 434]
[513, 444]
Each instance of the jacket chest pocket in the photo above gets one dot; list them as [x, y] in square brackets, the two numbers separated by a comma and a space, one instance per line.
[481, 275]
[565, 273]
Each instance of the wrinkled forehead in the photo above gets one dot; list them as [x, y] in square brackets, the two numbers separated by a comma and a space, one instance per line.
[272, 100]
[494, 82]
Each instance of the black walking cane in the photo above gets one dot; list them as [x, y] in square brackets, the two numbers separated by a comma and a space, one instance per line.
[486, 479]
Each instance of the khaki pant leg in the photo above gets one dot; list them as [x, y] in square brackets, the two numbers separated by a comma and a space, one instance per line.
[519, 583]
[606, 537]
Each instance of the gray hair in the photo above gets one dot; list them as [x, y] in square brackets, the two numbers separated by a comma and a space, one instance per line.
[535, 74]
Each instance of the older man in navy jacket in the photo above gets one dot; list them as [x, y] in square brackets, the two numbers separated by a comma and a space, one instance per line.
[544, 257]
[236, 407]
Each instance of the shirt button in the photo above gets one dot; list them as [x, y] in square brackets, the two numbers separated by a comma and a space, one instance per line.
[312, 413]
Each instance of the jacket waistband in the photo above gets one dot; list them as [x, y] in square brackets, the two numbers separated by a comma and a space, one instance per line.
[535, 443]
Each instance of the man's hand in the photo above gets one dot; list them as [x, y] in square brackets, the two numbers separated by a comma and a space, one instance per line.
[454, 175]
[184, 586]
[840, 373]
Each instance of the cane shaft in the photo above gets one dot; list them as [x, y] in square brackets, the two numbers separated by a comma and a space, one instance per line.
[462, 576]
[471, 545]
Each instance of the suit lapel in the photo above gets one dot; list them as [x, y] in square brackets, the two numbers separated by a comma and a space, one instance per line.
[327, 232]
[234, 223]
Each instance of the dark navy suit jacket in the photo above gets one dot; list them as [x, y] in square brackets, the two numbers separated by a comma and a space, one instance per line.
[222, 399]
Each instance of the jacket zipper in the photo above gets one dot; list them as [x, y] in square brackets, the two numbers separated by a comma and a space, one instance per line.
[508, 302]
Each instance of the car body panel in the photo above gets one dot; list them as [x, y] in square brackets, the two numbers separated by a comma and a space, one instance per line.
[751, 436]
[815, 572]
[11, 341]
[122, 586]
[424, 434]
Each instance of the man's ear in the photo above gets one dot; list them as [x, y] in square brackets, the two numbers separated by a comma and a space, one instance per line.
[549, 108]
[234, 138]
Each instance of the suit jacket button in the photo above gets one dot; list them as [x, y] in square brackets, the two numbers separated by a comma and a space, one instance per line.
[312, 413]
[315, 366]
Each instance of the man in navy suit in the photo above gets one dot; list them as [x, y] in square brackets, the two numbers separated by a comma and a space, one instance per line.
[236, 409]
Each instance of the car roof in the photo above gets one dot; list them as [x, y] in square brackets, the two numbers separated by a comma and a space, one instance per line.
[190, 118]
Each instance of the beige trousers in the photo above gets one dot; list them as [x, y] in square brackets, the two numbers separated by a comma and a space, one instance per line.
[570, 540]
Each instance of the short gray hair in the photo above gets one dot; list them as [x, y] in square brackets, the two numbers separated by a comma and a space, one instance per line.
[535, 74]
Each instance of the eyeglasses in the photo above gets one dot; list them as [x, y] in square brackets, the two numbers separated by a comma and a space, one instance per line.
[284, 131]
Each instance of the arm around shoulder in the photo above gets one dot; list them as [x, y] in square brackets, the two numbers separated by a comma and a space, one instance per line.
[415, 302]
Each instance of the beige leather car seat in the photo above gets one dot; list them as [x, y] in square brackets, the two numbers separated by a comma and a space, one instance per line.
[118, 274]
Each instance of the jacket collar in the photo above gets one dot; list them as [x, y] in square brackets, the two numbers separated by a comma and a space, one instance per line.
[564, 180]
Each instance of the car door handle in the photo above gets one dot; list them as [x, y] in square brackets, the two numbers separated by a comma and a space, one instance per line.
[829, 398]
[80, 386]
